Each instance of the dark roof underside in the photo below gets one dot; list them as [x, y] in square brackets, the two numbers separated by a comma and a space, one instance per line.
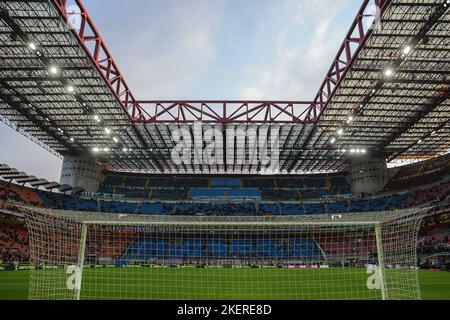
[407, 117]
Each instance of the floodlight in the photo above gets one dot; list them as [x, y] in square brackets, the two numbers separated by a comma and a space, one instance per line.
[32, 46]
[53, 70]
[407, 50]
[389, 72]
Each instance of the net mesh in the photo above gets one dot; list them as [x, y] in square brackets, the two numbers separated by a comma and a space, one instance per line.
[111, 256]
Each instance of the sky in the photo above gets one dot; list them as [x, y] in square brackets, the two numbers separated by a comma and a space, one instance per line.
[208, 49]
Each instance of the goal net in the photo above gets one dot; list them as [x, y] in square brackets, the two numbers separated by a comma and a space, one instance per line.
[111, 256]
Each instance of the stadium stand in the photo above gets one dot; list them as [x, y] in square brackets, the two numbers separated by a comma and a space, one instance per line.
[203, 200]
[13, 241]
[269, 209]
[280, 195]
[277, 196]
[150, 249]
[434, 238]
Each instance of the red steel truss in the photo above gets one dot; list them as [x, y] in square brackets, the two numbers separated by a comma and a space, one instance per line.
[353, 43]
[228, 111]
[95, 47]
[224, 112]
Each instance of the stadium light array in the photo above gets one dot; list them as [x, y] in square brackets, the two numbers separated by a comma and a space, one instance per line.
[340, 132]
[32, 46]
[389, 72]
[407, 50]
[70, 89]
[53, 70]
[350, 119]
[354, 151]
[357, 151]
[333, 140]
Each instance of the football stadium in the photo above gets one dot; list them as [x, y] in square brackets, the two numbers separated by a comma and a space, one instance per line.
[344, 195]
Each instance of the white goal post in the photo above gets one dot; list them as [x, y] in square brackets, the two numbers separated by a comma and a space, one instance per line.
[112, 256]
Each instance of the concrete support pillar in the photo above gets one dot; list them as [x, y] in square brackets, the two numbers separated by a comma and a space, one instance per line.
[81, 172]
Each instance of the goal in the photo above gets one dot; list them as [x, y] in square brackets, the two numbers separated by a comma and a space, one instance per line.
[112, 256]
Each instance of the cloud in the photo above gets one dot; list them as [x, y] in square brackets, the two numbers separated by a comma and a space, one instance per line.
[24, 155]
[163, 54]
[298, 69]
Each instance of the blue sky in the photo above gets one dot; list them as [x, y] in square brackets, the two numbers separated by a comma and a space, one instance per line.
[209, 49]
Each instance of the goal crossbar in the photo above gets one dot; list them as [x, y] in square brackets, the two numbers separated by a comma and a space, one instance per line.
[347, 219]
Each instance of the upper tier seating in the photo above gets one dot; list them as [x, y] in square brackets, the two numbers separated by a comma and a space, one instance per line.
[191, 182]
[118, 207]
[317, 193]
[225, 183]
[156, 208]
[244, 194]
[161, 183]
[421, 173]
[135, 182]
[276, 189]
[169, 194]
[259, 183]
[208, 194]
[290, 182]
[292, 209]
[319, 197]
[280, 195]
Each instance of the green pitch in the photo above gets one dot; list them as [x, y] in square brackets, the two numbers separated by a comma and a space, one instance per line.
[236, 284]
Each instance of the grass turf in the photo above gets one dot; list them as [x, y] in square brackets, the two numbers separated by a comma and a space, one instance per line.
[234, 283]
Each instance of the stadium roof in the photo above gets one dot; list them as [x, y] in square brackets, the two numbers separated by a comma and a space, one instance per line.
[12, 174]
[386, 92]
